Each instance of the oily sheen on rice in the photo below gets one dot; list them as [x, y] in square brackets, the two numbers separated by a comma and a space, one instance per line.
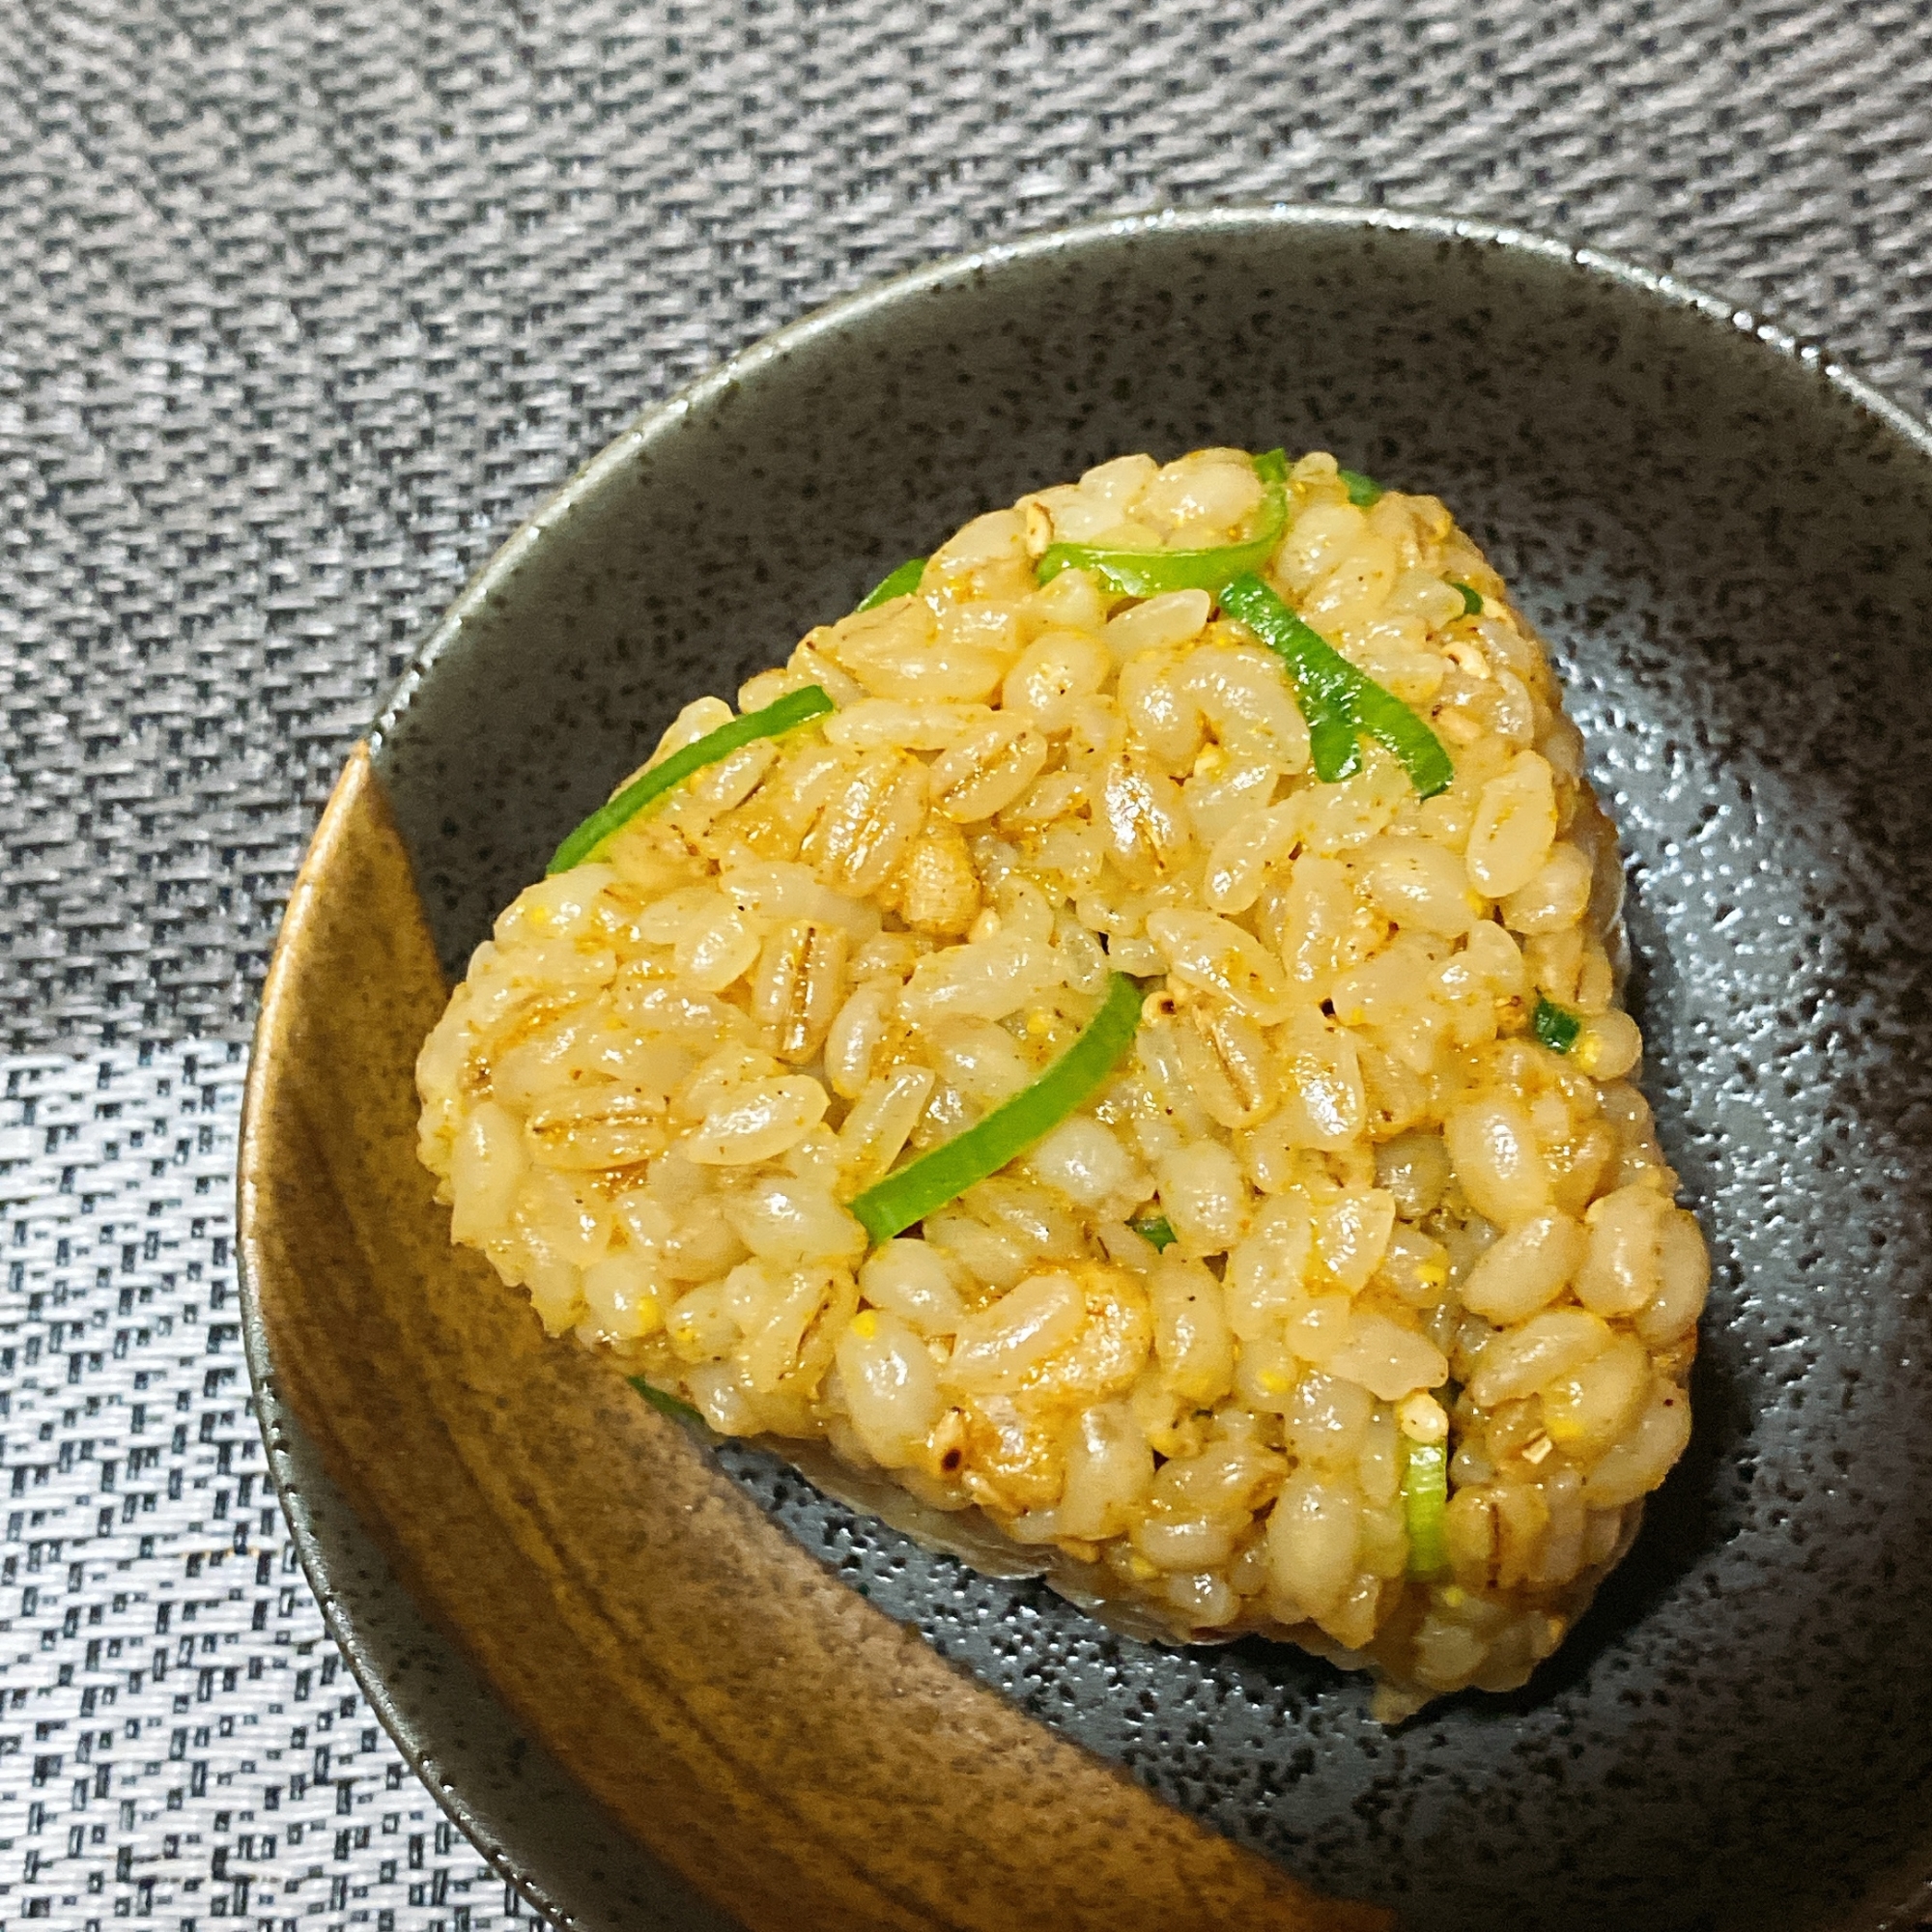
[1399, 1218]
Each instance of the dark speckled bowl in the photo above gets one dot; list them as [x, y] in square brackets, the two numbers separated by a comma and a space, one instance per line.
[1726, 541]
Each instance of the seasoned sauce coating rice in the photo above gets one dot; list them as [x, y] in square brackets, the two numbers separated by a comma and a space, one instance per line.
[1338, 1205]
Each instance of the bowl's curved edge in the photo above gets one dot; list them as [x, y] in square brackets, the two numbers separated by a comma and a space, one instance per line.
[1205, 223]
[385, 1642]
[532, 1821]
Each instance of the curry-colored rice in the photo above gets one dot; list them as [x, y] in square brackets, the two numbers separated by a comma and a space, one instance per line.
[1399, 1217]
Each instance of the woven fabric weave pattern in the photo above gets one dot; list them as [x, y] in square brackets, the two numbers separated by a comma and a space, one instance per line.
[306, 307]
[303, 307]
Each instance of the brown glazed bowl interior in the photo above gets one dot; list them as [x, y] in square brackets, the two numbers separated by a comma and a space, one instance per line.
[668, 1687]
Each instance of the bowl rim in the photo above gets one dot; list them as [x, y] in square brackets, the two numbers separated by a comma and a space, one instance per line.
[492, 1827]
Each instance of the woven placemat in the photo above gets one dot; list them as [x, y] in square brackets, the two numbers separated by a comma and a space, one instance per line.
[301, 309]
[178, 1739]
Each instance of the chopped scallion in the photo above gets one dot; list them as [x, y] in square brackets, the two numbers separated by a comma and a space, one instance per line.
[1472, 598]
[1425, 1503]
[1149, 573]
[1157, 1229]
[1340, 703]
[1363, 490]
[666, 1405]
[944, 1173]
[795, 708]
[902, 582]
[1557, 1027]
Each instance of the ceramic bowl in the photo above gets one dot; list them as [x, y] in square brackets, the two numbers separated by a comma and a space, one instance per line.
[668, 1687]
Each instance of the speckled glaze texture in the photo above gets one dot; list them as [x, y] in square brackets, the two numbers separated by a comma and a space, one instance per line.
[1731, 554]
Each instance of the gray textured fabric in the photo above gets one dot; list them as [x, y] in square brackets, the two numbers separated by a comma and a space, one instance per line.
[304, 308]
[179, 1740]
[301, 309]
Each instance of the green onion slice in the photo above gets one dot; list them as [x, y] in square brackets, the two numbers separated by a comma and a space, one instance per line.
[793, 709]
[1424, 1502]
[1148, 573]
[1364, 491]
[1338, 702]
[666, 1405]
[1157, 1229]
[1472, 598]
[943, 1174]
[1557, 1027]
[902, 582]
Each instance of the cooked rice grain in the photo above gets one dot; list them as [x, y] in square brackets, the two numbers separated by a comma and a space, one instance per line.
[1398, 1217]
